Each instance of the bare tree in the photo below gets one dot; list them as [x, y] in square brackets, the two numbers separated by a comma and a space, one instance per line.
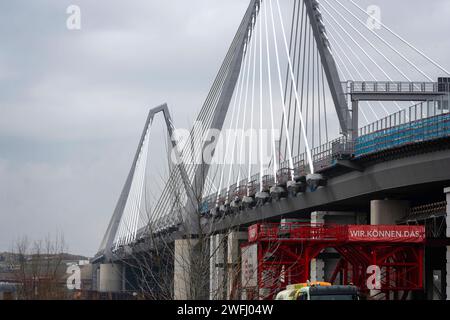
[38, 268]
[156, 263]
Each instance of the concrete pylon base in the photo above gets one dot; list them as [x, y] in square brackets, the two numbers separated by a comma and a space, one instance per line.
[447, 194]
[387, 212]
[110, 278]
[447, 278]
[217, 267]
[448, 274]
[317, 270]
[323, 267]
[191, 269]
[235, 239]
[183, 268]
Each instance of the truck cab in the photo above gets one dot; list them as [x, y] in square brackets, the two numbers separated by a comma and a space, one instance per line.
[319, 291]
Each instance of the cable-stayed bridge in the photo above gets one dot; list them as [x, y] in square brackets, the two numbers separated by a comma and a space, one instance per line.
[318, 110]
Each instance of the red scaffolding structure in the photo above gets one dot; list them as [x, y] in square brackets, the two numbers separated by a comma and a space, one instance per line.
[284, 253]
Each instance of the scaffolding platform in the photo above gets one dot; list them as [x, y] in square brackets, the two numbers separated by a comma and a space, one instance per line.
[278, 255]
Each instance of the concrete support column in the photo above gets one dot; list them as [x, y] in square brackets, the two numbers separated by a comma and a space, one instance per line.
[184, 250]
[317, 265]
[318, 217]
[110, 278]
[96, 278]
[124, 278]
[317, 270]
[235, 239]
[447, 278]
[387, 212]
[322, 269]
[447, 194]
[217, 280]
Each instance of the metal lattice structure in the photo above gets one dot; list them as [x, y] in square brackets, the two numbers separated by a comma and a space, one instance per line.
[285, 252]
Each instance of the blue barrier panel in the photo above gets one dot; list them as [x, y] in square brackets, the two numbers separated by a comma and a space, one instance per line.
[418, 131]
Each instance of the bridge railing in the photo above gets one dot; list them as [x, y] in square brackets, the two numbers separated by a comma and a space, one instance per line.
[419, 123]
[416, 112]
[327, 154]
[300, 168]
[323, 156]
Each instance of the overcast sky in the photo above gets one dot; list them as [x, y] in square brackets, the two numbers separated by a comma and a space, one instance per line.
[73, 103]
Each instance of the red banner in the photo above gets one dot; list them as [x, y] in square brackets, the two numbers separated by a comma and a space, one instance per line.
[410, 234]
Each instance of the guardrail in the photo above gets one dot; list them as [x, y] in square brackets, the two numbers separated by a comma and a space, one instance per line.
[329, 153]
[416, 112]
[418, 123]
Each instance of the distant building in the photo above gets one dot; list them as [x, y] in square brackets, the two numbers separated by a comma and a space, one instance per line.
[49, 283]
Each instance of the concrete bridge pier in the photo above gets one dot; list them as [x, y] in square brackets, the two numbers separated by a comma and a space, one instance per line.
[388, 212]
[110, 278]
[225, 259]
[191, 269]
[318, 265]
[234, 241]
[182, 268]
[447, 277]
[217, 281]
[322, 267]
